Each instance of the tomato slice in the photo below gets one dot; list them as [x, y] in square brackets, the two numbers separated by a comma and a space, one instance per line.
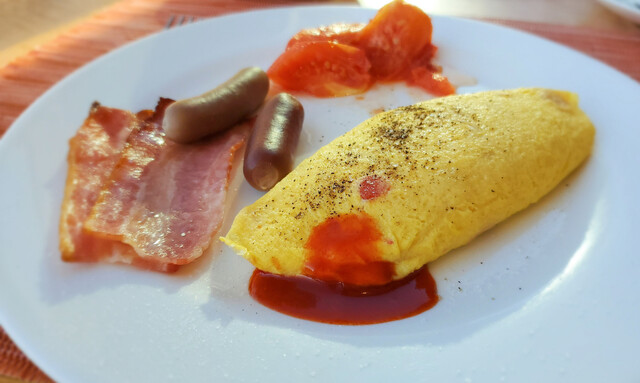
[424, 57]
[341, 33]
[433, 82]
[345, 59]
[393, 38]
[323, 69]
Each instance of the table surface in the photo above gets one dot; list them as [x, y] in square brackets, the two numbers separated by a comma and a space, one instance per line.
[26, 23]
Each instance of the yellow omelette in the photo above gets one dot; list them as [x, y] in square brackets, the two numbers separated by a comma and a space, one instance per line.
[408, 185]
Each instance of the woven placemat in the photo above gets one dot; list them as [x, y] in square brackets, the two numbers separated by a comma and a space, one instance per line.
[15, 364]
[26, 78]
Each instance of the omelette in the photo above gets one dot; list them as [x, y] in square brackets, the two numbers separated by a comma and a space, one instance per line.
[408, 185]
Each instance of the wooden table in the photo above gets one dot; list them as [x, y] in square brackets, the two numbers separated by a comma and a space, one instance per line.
[24, 24]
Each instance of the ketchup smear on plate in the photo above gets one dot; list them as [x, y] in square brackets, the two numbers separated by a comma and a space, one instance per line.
[338, 303]
[346, 281]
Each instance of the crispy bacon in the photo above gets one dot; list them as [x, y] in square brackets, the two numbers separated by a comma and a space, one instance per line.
[158, 203]
[93, 153]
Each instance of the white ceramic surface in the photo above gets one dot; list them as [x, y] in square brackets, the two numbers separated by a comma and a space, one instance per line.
[551, 295]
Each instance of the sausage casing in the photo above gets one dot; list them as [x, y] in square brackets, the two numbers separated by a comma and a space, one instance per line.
[190, 119]
[271, 147]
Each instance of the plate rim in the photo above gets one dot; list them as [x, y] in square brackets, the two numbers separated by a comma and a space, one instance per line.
[8, 137]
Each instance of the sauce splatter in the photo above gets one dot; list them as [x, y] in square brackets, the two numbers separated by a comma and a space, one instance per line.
[339, 303]
[372, 187]
[344, 249]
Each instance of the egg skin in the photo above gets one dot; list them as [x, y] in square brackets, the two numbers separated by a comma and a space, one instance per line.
[443, 170]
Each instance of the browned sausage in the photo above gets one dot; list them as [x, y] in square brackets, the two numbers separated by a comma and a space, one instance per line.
[190, 119]
[269, 154]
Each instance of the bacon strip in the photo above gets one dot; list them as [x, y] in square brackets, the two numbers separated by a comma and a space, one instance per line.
[164, 199]
[93, 153]
[156, 205]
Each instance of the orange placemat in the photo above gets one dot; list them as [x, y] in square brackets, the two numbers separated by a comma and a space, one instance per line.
[15, 364]
[25, 79]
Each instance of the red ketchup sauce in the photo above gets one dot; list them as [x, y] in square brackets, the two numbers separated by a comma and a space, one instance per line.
[338, 303]
[346, 281]
[345, 249]
[373, 187]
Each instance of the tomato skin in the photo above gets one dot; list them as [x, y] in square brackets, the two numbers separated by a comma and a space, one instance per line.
[341, 33]
[397, 34]
[345, 59]
[424, 57]
[322, 69]
[433, 82]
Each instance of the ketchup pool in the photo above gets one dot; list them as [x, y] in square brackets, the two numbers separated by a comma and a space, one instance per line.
[338, 303]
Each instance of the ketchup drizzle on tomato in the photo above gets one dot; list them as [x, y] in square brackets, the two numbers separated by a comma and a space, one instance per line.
[339, 303]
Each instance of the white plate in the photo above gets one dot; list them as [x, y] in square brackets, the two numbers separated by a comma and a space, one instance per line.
[553, 294]
[629, 9]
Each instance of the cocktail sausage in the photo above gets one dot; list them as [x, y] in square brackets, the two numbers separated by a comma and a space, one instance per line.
[193, 118]
[269, 154]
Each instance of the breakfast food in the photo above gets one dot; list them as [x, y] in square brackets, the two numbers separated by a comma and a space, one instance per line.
[134, 197]
[408, 185]
[346, 59]
[191, 119]
[273, 141]
[93, 153]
